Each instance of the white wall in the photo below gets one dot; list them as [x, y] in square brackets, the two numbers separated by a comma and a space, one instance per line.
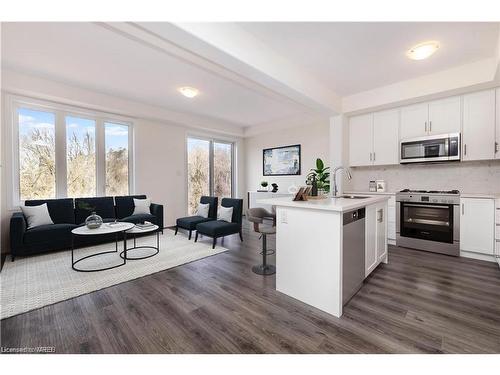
[314, 141]
[468, 177]
[159, 154]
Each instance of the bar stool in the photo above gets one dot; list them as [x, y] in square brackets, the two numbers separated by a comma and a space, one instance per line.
[256, 216]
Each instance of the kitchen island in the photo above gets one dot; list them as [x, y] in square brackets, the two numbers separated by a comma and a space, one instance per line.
[326, 247]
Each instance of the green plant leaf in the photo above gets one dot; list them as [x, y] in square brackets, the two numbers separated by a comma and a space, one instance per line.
[319, 164]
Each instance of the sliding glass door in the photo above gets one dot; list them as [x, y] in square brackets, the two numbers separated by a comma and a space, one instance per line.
[210, 170]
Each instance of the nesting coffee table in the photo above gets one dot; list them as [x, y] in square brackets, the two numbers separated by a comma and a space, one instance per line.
[116, 228]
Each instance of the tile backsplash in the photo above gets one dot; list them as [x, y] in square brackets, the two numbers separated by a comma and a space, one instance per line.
[468, 177]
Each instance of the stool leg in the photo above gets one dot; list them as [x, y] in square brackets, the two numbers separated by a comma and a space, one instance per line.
[264, 268]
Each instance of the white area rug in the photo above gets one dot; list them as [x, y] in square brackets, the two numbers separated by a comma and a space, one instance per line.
[33, 282]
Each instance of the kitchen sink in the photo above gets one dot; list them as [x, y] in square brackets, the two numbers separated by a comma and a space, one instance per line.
[352, 197]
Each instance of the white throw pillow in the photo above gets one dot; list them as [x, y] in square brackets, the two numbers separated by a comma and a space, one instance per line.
[142, 206]
[203, 210]
[37, 215]
[226, 213]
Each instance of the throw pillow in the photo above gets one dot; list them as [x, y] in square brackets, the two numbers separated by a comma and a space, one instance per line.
[203, 210]
[142, 206]
[37, 215]
[226, 214]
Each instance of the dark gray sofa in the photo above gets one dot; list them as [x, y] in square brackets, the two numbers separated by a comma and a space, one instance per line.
[67, 214]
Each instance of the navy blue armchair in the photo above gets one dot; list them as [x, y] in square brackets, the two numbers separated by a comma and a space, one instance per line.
[219, 228]
[189, 223]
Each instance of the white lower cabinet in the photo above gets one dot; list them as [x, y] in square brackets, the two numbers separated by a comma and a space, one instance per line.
[477, 225]
[375, 236]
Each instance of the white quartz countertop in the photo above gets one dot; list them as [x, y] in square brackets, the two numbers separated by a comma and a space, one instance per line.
[480, 195]
[328, 204]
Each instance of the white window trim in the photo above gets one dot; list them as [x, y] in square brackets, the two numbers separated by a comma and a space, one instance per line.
[211, 139]
[14, 102]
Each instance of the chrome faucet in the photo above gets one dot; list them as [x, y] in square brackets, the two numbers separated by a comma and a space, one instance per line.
[347, 173]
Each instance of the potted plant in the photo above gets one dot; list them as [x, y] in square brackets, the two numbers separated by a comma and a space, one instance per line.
[264, 185]
[320, 176]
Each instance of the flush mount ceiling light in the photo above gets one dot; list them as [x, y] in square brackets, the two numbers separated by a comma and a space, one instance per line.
[423, 50]
[188, 92]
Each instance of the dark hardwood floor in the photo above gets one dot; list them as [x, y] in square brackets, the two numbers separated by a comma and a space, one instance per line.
[418, 303]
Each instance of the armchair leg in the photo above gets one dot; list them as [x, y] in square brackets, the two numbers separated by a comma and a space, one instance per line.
[196, 237]
[12, 257]
[176, 229]
[190, 232]
[241, 236]
[214, 243]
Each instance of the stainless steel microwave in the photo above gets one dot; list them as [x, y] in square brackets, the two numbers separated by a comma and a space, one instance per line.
[432, 148]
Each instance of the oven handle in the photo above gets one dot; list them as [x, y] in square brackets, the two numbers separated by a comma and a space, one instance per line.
[425, 206]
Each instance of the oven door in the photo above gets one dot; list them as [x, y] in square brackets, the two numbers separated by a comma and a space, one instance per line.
[433, 222]
[425, 149]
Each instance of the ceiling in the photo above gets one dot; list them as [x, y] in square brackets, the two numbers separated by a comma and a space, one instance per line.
[351, 57]
[93, 57]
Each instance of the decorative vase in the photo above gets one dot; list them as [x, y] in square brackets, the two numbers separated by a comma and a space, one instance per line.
[94, 221]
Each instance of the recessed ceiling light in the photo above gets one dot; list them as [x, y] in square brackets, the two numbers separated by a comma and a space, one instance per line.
[423, 50]
[189, 92]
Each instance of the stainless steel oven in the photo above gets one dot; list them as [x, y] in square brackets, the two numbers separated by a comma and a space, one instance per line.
[428, 221]
[435, 148]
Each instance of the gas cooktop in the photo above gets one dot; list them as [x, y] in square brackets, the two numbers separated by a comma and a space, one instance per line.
[430, 191]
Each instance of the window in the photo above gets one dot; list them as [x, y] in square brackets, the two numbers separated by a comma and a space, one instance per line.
[116, 141]
[209, 169]
[65, 152]
[80, 157]
[37, 150]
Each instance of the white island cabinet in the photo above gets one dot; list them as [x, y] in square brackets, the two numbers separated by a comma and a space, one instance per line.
[310, 248]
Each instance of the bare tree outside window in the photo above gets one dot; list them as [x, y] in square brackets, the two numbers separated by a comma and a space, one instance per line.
[209, 173]
[80, 157]
[37, 161]
[117, 180]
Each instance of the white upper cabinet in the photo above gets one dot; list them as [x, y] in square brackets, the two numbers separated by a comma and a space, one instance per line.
[414, 120]
[436, 117]
[444, 116]
[386, 137]
[373, 139]
[479, 126]
[497, 143]
[361, 140]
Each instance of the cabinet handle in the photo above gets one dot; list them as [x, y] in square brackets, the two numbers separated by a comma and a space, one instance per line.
[425, 126]
[430, 126]
[496, 147]
[370, 156]
[463, 209]
[465, 149]
[374, 158]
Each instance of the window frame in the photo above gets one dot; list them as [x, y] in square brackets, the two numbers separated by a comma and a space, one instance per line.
[61, 111]
[211, 141]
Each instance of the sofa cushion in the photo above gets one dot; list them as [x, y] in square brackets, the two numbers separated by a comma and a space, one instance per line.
[218, 228]
[213, 202]
[140, 218]
[103, 206]
[190, 222]
[237, 205]
[61, 210]
[49, 233]
[125, 205]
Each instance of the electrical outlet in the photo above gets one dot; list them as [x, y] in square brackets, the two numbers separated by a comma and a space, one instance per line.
[284, 218]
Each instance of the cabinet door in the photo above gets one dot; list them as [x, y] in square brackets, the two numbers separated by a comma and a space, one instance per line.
[386, 137]
[444, 116]
[370, 239]
[479, 126]
[381, 231]
[497, 143]
[477, 225]
[361, 140]
[414, 120]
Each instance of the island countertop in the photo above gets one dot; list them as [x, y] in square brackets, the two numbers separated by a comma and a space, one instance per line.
[328, 204]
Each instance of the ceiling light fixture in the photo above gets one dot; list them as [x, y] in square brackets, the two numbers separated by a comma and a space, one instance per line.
[423, 50]
[189, 92]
